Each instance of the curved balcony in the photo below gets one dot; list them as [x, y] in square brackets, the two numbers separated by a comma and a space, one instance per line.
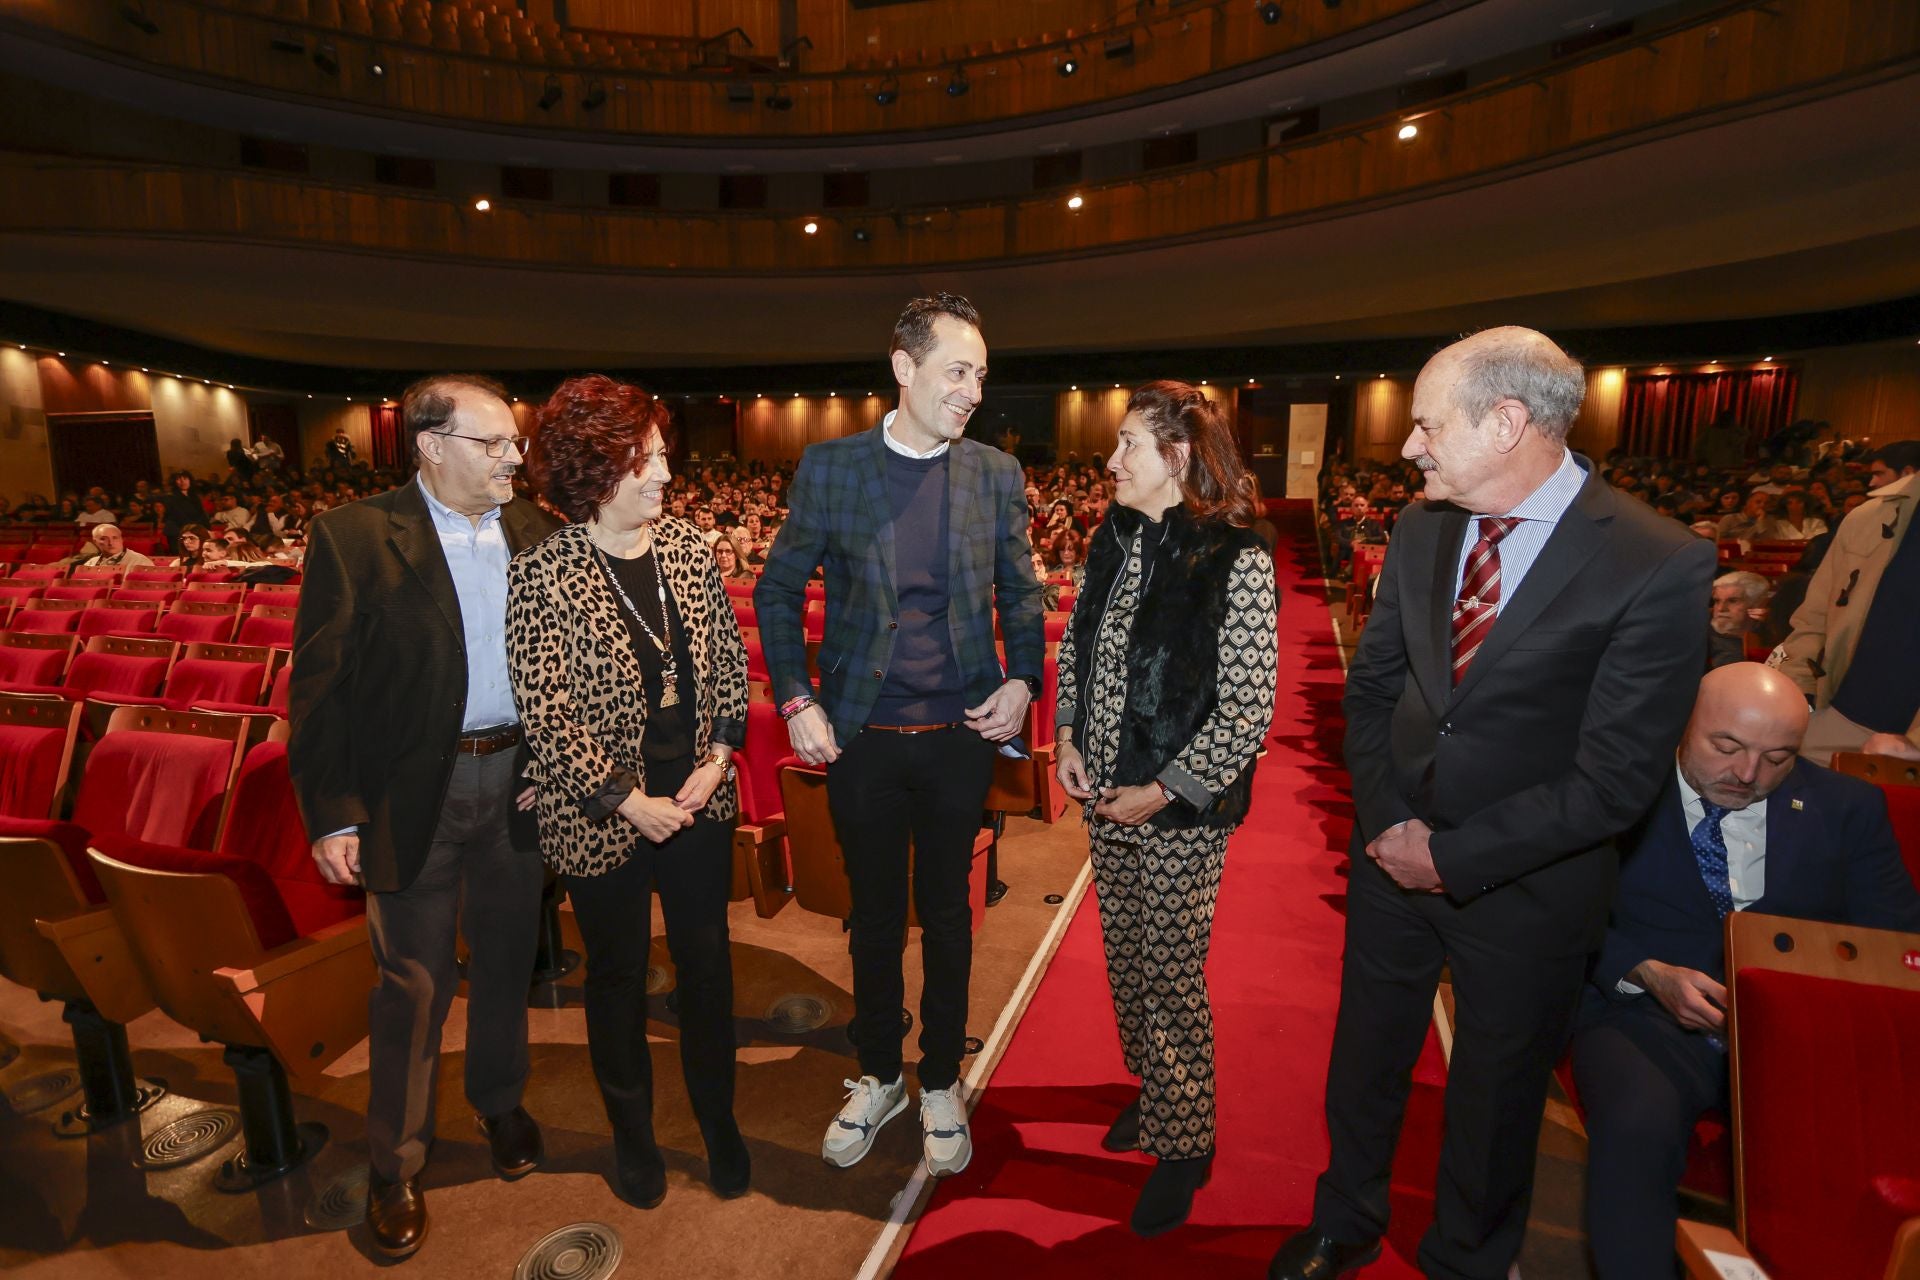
[461, 64]
[1739, 59]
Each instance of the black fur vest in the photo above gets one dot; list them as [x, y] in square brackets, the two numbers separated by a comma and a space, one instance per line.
[1173, 653]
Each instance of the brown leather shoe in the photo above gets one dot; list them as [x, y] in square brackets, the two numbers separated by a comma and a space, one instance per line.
[397, 1213]
[513, 1139]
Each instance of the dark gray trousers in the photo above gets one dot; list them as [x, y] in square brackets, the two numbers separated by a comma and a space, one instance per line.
[476, 883]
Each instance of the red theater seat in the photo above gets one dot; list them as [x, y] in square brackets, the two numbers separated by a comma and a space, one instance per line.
[48, 617]
[37, 736]
[265, 829]
[125, 665]
[117, 618]
[1899, 782]
[189, 622]
[33, 661]
[267, 624]
[87, 592]
[1825, 1029]
[161, 776]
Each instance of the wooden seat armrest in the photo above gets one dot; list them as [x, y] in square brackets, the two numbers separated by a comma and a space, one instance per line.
[1714, 1253]
[761, 848]
[309, 997]
[95, 948]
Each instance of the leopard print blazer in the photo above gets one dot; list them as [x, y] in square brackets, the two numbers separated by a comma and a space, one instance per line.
[579, 685]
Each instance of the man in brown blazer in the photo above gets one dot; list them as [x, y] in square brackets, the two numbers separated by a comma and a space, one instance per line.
[405, 738]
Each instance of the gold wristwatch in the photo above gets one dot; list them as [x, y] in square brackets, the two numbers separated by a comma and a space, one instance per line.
[724, 760]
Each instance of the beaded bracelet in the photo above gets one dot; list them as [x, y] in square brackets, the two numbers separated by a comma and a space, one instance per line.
[794, 706]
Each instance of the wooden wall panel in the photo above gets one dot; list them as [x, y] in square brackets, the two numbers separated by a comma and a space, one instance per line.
[1382, 416]
[1871, 391]
[1597, 428]
[1087, 419]
[777, 428]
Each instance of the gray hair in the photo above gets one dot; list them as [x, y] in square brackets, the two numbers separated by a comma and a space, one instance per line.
[1755, 587]
[1524, 365]
[105, 524]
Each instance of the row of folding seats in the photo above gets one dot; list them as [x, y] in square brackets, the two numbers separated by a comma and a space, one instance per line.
[124, 670]
[183, 619]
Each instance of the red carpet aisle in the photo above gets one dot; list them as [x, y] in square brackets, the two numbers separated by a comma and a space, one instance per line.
[1041, 1198]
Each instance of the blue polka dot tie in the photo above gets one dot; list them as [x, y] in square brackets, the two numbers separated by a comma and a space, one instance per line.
[1710, 851]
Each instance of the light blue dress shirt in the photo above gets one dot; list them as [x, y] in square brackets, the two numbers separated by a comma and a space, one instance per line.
[1539, 513]
[477, 558]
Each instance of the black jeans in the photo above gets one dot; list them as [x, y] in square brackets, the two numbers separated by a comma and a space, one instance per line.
[692, 871]
[890, 792]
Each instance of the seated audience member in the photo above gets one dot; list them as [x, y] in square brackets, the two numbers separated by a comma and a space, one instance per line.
[93, 511]
[1893, 462]
[1744, 824]
[1708, 529]
[1746, 524]
[1795, 521]
[109, 551]
[1778, 480]
[1360, 527]
[733, 568]
[228, 512]
[1739, 605]
[1049, 591]
[1069, 560]
[193, 546]
[703, 521]
[1855, 644]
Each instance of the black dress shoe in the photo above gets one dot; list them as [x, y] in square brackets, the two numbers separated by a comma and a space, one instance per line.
[1124, 1133]
[1168, 1196]
[513, 1140]
[729, 1167]
[1312, 1256]
[642, 1182]
[397, 1214]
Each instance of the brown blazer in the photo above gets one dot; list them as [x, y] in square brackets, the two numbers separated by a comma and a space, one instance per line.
[379, 686]
[579, 684]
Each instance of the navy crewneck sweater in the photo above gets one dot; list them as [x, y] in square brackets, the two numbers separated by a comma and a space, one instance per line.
[922, 684]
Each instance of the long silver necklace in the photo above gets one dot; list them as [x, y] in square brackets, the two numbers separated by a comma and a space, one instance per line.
[662, 639]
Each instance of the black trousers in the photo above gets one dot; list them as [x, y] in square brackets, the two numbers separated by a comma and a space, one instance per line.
[476, 882]
[888, 791]
[1512, 1014]
[1644, 1081]
[691, 870]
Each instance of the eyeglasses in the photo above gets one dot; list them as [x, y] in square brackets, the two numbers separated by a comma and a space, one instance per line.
[496, 445]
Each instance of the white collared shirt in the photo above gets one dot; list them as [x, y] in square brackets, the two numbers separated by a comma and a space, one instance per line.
[1745, 833]
[886, 433]
[477, 558]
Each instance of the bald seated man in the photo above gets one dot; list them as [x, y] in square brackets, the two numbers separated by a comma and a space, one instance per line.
[110, 551]
[1743, 824]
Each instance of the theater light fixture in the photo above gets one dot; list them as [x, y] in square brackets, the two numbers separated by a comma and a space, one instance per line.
[811, 227]
[327, 58]
[134, 12]
[888, 93]
[957, 86]
[1069, 64]
[595, 98]
[1408, 132]
[1269, 12]
[1074, 202]
[377, 66]
[861, 235]
[550, 93]
[482, 205]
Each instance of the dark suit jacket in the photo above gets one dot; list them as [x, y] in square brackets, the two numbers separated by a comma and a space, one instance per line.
[1560, 734]
[839, 516]
[1831, 856]
[379, 684]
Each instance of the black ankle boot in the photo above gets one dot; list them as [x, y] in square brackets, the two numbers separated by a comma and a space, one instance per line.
[1124, 1133]
[729, 1167]
[1167, 1198]
[641, 1180]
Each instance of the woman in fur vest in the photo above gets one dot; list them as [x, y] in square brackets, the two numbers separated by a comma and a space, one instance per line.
[1167, 675]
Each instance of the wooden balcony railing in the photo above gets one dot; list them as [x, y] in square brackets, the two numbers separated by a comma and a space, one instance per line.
[541, 77]
[1742, 58]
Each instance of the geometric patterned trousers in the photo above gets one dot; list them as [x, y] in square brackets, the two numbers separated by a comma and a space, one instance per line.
[1156, 914]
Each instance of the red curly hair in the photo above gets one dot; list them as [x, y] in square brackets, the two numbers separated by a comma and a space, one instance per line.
[588, 437]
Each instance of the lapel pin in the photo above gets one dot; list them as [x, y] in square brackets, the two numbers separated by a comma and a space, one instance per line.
[1799, 805]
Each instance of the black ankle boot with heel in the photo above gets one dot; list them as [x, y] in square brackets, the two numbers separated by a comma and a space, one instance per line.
[1167, 1198]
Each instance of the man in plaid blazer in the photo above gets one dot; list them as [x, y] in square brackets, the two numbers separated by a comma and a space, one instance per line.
[922, 534]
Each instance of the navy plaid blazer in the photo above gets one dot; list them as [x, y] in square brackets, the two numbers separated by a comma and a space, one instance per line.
[839, 517]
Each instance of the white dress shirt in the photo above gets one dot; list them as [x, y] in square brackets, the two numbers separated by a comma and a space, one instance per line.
[886, 433]
[1539, 514]
[477, 558]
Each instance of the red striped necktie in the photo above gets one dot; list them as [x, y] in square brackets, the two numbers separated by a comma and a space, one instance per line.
[1479, 601]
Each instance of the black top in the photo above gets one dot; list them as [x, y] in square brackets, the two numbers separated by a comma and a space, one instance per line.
[669, 733]
[923, 684]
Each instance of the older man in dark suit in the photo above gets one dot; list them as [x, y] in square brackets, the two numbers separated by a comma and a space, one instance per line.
[1516, 697]
[922, 535]
[404, 748]
[1743, 824]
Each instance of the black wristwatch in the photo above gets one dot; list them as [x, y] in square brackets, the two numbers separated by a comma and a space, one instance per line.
[1032, 683]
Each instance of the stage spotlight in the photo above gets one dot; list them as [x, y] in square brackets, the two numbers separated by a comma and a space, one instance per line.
[1069, 65]
[888, 93]
[1074, 202]
[377, 66]
[134, 12]
[957, 87]
[778, 99]
[596, 96]
[327, 58]
[1269, 12]
[811, 227]
[550, 93]
[1408, 132]
[482, 205]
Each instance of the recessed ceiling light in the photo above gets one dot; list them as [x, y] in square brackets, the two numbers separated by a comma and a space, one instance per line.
[1074, 202]
[1074, 387]
[811, 227]
[61, 354]
[1408, 132]
[1249, 381]
[482, 205]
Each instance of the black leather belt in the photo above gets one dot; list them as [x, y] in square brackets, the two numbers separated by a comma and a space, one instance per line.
[915, 728]
[485, 744]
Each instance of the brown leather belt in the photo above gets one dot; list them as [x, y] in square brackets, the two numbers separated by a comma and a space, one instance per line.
[916, 728]
[485, 744]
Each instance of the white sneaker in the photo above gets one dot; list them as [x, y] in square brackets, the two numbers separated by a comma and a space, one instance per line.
[943, 1131]
[870, 1104]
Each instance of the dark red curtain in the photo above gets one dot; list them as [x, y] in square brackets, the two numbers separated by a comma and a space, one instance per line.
[1664, 410]
[388, 450]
